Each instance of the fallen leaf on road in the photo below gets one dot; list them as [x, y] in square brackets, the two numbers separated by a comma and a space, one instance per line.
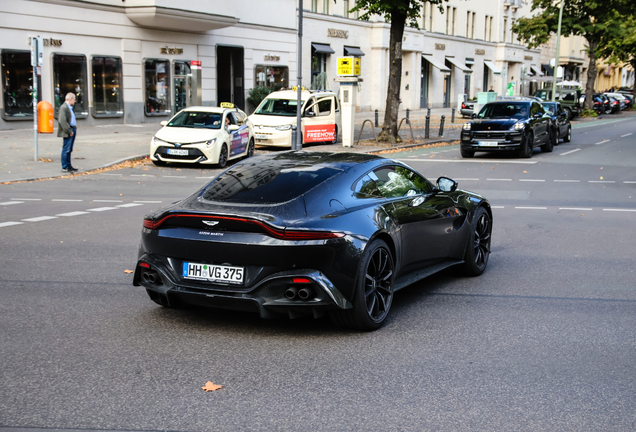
[525, 172]
[210, 386]
[128, 271]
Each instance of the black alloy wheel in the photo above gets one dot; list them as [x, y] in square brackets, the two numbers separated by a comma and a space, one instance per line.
[569, 111]
[466, 153]
[223, 156]
[478, 247]
[250, 149]
[526, 149]
[549, 144]
[568, 135]
[374, 290]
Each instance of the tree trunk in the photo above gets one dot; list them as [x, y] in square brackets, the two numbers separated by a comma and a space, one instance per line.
[389, 128]
[592, 72]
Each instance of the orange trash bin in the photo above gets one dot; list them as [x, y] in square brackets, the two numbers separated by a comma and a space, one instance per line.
[45, 117]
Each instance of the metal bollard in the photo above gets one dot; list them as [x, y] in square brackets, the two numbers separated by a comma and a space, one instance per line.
[428, 127]
[429, 112]
[293, 137]
[441, 126]
[376, 119]
[408, 112]
[453, 116]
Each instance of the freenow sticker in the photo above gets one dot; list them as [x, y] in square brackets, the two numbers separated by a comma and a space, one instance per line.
[319, 133]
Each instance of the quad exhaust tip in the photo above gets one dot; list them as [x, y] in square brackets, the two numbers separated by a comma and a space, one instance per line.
[305, 293]
[151, 277]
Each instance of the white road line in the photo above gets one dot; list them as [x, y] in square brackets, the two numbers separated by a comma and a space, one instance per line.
[484, 161]
[7, 203]
[532, 208]
[27, 199]
[100, 209]
[620, 210]
[466, 179]
[204, 177]
[629, 182]
[497, 207]
[568, 181]
[109, 174]
[112, 201]
[571, 151]
[75, 213]
[4, 224]
[499, 179]
[532, 180]
[129, 205]
[602, 142]
[38, 219]
[575, 208]
[148, 202]
[141, 175]
[626, 135]
[66, 200]
[600, 181]
[174, 176]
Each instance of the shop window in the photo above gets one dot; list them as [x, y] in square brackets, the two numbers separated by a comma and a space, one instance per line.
[69, 76]
[17, 76]
[157, 81]
[272, 77]
[107, 90]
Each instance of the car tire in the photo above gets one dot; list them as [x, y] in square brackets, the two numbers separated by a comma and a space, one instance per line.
[526, 149]
[335, 135]
[373, 295]
[466, 153]
[478, 245]
[568, 135]
[549, 145]
[569, 111]
[159, 162]
[223, 156]
[250, 149]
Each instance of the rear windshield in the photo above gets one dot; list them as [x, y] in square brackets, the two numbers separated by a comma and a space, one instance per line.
[195, 119]
[278, 107]
[267, 183]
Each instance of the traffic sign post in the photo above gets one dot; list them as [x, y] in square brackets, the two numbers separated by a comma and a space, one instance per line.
[36, 62]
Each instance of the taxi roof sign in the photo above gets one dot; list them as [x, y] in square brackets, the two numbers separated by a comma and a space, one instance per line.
[348, 66]
[226, 105]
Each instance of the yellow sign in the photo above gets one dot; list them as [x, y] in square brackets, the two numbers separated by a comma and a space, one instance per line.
[348, 66]
[295, 88]
[226, 105]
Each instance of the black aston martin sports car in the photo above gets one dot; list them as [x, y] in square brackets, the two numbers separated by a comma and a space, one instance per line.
[309, 233]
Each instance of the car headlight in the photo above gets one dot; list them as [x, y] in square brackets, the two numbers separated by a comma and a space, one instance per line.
[467, 126]
[283, 127]
[518, 126]
[157, 141]
[211, 142]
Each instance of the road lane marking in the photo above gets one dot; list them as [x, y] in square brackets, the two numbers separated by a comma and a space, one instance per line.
[142, 175]
[27, 199]
[620, 210]
[100, 209]
[38, 219]
[568, 181]
[108, 201]
[499, 179]
[602, 142]
[67, 200]
[532, 208]
[629, 182]
[466, 179]
[497, 207]
[626, 135]
[8, 203]
[129, 205]
[571, 151]
[109, 174]
[531, 180]
[204, 177]
[174, 176]
[485, 161]
[75, 213]
[575, 208]
[4, 224]
[148, 202]
[600, 181]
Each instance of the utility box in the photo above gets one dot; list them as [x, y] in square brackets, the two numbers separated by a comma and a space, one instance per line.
[196, 93]
[348, 94]
[45, 117]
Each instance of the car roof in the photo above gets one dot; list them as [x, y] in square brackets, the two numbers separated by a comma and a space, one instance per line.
[209, 109]
[293, 94]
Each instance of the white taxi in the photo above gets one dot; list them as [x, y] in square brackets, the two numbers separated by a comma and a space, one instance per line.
[276, 114]
[204, 135]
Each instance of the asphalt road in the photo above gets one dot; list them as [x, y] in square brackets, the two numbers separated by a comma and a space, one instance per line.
[544, 340]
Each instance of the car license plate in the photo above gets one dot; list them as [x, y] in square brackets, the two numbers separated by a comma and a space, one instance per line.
[487, 143]
[261, 136]
[213, 273]
[178, 152]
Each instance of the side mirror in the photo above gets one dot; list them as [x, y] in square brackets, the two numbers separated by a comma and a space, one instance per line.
[309, 114]
[473, 115]
[233, 128]
[446, 184]
[163, 123]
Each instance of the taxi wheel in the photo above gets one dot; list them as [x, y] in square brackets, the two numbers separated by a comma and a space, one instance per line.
[223, 156]
[250, 149]
[335, 136]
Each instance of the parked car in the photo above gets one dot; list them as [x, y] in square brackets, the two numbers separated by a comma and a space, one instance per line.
[602, 104]
[620, 98]
[615, 105]
[204, 135]
[569, 99]
[467, 109]
[308, 233]
[516, 125]
[276, 114]
[629, 99]
[561, 127]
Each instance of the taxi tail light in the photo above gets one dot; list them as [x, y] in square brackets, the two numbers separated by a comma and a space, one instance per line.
[281, 234]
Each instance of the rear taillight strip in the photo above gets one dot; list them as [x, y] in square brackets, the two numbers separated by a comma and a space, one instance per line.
[281, 234]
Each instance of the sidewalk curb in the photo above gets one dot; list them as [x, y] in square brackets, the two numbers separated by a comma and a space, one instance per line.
[408, 146]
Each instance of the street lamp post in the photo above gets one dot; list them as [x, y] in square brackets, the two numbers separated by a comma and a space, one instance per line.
[298, 145]
[558, 46]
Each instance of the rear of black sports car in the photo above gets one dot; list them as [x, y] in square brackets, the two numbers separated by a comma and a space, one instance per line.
[230, 245]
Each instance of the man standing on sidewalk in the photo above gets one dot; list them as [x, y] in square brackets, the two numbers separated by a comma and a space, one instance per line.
[67, 129]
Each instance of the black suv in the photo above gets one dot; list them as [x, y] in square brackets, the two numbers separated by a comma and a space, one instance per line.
[506, 125]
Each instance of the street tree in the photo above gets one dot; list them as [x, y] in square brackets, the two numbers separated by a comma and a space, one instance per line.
[592, 19]
[622, 48]
[399, 13]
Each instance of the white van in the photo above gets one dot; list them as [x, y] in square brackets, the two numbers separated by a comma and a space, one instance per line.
[276, 114]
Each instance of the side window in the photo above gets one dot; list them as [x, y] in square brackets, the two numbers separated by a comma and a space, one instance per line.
[311, 106]
[231, 117]
[336, 105]
[324, 106]
[240, 118]
[535, 108]
[397, 181]
[366, 188]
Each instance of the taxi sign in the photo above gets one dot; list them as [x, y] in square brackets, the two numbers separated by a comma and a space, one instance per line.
[226, 105]
[295, 88]
[348, 66]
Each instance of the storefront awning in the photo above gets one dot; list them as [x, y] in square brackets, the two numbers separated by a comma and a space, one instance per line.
[492, 67]
[536, 71]
[548, 69]
[352, 51]
[164, 18]
[322, 49]
[438, 64]
[458, 64]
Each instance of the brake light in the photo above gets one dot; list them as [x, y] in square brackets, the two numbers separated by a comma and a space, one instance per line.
[143, 264]
[281, 234]
[301, 280]
[463, 105]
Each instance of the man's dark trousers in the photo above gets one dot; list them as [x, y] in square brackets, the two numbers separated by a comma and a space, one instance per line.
[67, 148]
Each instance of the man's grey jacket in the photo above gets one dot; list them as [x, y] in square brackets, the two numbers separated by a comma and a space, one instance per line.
[64, 121]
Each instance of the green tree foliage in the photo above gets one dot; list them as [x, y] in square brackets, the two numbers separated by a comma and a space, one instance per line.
[622, 48]
[256, 95]
[399, 13]
[595, 20]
